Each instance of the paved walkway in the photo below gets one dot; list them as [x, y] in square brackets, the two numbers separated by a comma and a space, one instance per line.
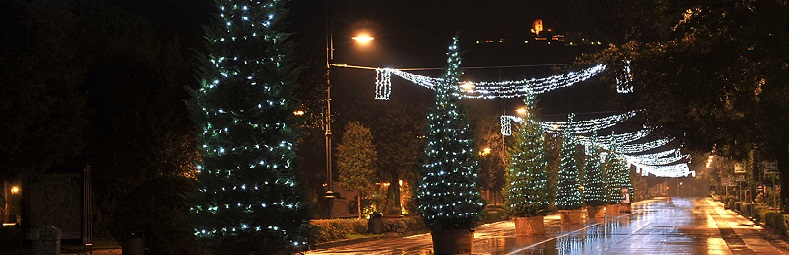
[660, 226]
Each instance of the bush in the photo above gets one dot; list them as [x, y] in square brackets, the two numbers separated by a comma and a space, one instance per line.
[745, 209]
[335, 229]
[158, 207]
[395, 225]
[494, 214]
[759, 211]
[776, 221]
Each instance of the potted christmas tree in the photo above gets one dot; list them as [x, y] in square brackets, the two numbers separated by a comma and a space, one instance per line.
[613, 184]
[594, 192]
[527, 191]
[448, 198]
[568, 194]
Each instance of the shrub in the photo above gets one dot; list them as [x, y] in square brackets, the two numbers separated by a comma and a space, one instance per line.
[746, 209]
[335, 229]
[758, 212]
[158, 207]
[776, 221]
[395, 225]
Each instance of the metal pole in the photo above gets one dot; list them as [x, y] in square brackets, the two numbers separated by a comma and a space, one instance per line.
[327, 122]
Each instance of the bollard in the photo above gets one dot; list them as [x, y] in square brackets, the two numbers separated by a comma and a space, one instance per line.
[47, 241]
[134, 243]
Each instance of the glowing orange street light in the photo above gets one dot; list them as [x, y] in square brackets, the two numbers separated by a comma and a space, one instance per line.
[467, 86]
[521, 111]
[485, 151]
[298, 112]
[15, 189]
[363, 38]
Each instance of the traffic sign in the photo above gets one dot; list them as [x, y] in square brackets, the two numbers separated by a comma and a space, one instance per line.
[771, 167]
[738, 169]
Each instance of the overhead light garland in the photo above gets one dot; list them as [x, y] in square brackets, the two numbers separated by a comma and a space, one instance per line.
[487, 90]
[652, 162]
[586, 126]
[623, 85]
[608, 139]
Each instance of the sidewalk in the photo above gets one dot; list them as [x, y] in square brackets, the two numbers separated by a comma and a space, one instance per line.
[658, 226]
[742, 235]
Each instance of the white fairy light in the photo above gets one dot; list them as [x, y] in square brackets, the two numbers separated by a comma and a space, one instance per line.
[623, 85]
[488, 90]
[587, 126]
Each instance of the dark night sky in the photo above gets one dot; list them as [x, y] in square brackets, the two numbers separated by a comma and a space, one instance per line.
[408, 33]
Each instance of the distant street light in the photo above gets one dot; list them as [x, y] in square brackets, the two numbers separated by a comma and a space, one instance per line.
[14, 189]
[521, 111]
[467, 86]
[485, 151]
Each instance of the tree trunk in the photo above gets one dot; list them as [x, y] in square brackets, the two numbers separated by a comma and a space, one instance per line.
[781, 153]
[393, 194]
[359, 205]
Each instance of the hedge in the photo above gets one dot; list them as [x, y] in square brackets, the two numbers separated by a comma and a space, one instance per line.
[777, 221]
[759, 211]
[337, 229]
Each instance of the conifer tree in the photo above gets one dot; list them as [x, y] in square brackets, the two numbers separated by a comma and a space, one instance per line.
[527, 190]
[617, 176]
[448, 195]
[595, 188]
[568, 195]
[249, 199]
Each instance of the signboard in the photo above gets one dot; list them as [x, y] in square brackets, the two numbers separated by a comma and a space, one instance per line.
[740, 177]
[738, 169]
[771, 167]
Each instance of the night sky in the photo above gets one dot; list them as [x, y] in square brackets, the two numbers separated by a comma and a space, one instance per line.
[409, 33]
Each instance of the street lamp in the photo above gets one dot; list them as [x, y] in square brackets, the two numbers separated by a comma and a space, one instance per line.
[363, 39]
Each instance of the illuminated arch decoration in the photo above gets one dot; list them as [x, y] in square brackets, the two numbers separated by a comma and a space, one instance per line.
[487, 90]
[666, 163]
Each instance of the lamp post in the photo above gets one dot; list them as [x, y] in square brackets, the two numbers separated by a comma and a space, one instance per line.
[362, 39]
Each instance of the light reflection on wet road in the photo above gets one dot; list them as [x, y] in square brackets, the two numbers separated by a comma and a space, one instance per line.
[677, 226]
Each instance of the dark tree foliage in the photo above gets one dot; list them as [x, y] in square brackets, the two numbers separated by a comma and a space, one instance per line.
[160, 208]
[717, 80]
[85, 79]
[40, 77]
[139, 128]
[493, 165]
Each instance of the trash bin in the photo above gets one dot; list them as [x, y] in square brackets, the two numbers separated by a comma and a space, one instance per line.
[134, 243]
[47, 241]
[375, 224]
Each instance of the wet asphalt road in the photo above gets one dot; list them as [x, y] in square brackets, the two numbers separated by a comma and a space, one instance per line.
[660, 226]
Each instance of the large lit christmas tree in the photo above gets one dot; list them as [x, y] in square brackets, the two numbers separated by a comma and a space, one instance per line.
[527, 191]
[448, 195]
[249, 200]
[568, 195]
[595, 187]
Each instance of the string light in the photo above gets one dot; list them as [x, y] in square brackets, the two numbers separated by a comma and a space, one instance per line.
[447, 194]
[594, 192]
[587, 126]
[526, 191]
[489, 90]
[247, 178]
[623, 82]
[568, 194]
